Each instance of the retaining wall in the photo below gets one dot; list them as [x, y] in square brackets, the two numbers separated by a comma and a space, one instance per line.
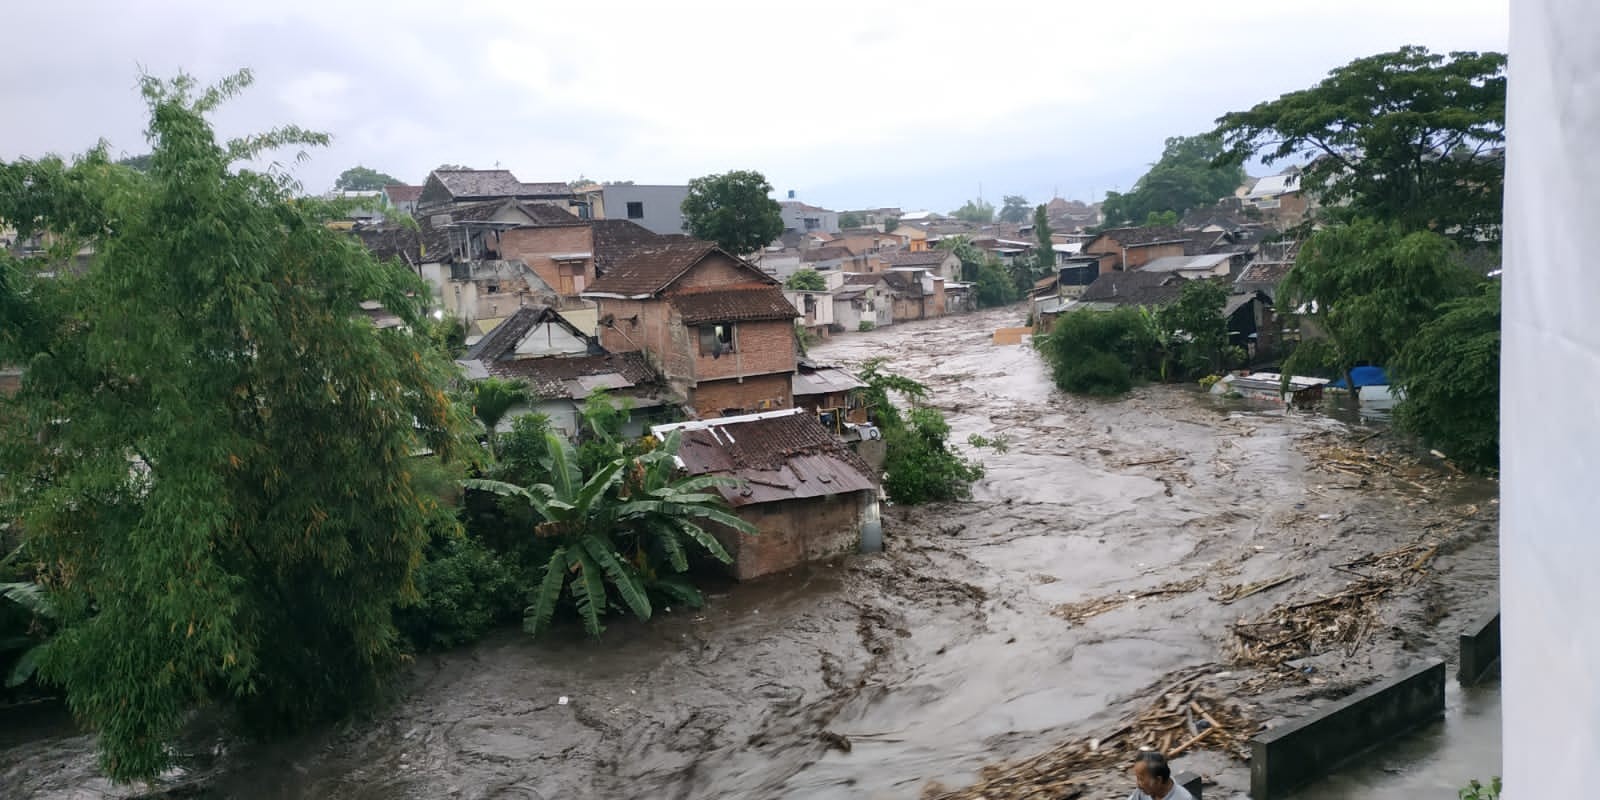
[1288, 757]
[1480, 651]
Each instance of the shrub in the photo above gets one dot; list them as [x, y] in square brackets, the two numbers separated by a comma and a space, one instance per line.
[1097, 373]
[464, 590]
[920, 467]
[866, 325]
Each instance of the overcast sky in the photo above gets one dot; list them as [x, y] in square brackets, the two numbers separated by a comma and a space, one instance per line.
[850, 104]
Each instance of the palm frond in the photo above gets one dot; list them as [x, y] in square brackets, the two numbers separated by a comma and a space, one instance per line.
[31, 596]
[563, 465]
[705, 512]
[497, 487]
[704, 539]
[25, 668]
[680, 590]
[598, 483]
[622, 576]
[589, 589]
[667, 535]
[538, 615]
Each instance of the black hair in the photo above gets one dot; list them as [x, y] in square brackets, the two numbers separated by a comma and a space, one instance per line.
[1154, 763]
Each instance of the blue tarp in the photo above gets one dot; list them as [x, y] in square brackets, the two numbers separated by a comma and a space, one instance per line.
[1363, 376]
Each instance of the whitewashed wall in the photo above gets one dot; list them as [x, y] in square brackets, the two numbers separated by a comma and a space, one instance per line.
[1550, 404]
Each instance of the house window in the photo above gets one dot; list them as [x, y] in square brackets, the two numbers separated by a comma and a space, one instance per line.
[636, 210]
[717, 340]
[492, 288]
[812, 223]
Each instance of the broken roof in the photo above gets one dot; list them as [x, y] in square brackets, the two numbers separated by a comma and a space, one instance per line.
[1265, 272]
[733, 303]
[577, 377]
[777, 455]
[1136, 288]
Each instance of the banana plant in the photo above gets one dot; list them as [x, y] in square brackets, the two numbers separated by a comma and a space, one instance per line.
[622, 530]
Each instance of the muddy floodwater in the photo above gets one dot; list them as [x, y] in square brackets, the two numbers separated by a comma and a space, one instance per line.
[934, 658]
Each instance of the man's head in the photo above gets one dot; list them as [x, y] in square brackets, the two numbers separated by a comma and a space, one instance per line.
[1151, 773]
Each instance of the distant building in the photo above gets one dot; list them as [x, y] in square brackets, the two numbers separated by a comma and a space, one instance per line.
[402, 197]
[806, 218]
[445, 187]
[658, 209]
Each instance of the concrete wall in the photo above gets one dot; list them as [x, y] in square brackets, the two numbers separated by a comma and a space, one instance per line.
[1480, 651]
[1550, 377]
[662, 206]
[1290, 756]
[795, 215]
[793, 532]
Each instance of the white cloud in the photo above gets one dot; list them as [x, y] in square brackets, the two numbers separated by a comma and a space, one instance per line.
[860, 102]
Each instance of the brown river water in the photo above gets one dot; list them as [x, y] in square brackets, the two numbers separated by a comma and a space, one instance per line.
[934, 658]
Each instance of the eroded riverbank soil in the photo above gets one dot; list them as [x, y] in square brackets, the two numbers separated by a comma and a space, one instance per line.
[987, 631]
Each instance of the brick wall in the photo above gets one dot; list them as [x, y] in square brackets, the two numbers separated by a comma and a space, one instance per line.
[714, 270]
[762, 346]
[1140, 256]
[710, 399]
[534, 246]
[793, 532]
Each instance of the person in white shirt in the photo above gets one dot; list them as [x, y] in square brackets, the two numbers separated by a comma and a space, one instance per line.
[1154, 778]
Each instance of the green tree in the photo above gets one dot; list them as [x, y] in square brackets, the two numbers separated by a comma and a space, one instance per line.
[849, 219]
[807, 280]
[1195, 322]
[1186, 176]
[222, 507]
[1013, 208]
[890, 223]
[1449, 374]
[363, 179]
[1368, 286]
[1409, 136]
[139, 163]
[919, 466]
[993, 287]
[491, 399]
[972, 258]
[733, 209]
[621, 531]
[1044, 247]
[975, 211]
[1160, 219]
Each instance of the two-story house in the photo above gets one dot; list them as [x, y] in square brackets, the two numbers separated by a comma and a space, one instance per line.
[716, 326]
[942, 263]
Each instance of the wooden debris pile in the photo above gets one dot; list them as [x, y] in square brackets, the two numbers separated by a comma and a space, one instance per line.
[1341, 620]
[1351, 457]
[1185, 716]
[1077, 612]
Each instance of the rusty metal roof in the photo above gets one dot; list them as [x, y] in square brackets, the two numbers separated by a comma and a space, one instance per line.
[780, 455]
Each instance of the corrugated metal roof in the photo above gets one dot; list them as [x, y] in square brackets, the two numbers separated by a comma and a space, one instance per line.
[823, 380]
[784, 455]
[1185, 263]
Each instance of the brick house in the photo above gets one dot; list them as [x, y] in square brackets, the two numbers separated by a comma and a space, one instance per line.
[563, 367]
[716, 326]
[807, 493]
[1131, 248]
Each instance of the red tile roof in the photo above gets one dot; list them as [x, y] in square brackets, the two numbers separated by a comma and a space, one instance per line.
[654, 267]
[401, 193]
[735, 303]
[924, 258]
